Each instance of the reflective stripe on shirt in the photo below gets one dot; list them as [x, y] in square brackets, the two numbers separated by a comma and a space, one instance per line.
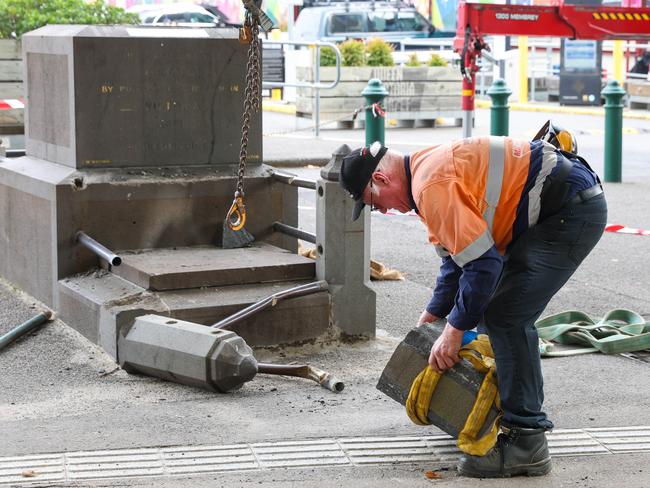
[493, 185]
[441, 251]
[549, 161]
[476, 249]
[494, 179]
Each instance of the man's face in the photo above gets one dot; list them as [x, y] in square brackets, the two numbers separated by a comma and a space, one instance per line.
[388, 194]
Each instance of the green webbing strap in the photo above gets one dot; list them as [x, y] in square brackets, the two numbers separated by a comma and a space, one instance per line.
[618, 331]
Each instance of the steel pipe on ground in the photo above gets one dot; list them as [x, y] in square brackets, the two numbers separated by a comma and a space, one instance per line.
[24, 328]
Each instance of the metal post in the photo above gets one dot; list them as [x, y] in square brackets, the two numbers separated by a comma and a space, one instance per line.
[317, 99]
[523, 69]
[613, 94]
[343, 248]
[499, 113]
[467, 102]
[374, 92]
[532, 73]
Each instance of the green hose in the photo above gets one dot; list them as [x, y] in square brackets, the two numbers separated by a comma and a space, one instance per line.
[23, 329]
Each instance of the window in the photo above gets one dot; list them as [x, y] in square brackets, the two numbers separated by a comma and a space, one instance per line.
[383, 21]
[199, 17]
[185, 18]
[411, 21]
[346, 23]
[171, 18]
[397, 21]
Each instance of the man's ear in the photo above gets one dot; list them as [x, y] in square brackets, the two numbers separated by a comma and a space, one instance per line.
[380, 178]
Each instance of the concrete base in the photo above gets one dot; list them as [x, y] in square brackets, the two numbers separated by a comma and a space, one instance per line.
[43, 205]
[99, 305]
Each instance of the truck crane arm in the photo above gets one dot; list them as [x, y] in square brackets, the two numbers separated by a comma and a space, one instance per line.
[476, 20]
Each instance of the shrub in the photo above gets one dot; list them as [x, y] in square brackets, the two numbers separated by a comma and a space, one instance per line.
[353, 53]
[327, 56]
[413, 61]
[20, 16]
[380, 53]
[437, 60]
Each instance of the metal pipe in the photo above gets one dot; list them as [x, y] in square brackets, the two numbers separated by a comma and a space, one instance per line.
[294, 232]
[317, 94]
[100, 250]
[270, 301]
[321, 377]
[294, 180]
[24, 328]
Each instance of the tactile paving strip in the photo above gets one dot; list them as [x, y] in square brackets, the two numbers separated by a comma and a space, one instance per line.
[314, 453]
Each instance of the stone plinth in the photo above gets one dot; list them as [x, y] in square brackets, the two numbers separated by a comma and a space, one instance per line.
[119, 96]
[43, 205]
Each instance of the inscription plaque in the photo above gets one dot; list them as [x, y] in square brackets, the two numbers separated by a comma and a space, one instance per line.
[141, 97]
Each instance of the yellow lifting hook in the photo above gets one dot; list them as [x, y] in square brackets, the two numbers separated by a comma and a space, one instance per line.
[236, 216]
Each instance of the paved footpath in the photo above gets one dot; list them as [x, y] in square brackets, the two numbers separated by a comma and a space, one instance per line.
[70, 418]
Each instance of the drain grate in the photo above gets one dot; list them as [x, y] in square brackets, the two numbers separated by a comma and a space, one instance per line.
[189, 460]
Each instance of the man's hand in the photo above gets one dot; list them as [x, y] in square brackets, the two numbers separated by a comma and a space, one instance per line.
[444, 352]
[427, 318]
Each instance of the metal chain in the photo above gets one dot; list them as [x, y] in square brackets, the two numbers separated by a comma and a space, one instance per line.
[252, 96]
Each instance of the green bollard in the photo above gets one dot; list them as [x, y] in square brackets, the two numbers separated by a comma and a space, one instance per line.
[499, 114]
[613, 94]
[374, 92]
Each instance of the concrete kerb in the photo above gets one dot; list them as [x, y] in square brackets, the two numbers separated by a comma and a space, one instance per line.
[282, 108]
[534, 107]
[290, 109]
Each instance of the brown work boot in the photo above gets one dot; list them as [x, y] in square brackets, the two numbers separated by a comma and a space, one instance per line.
[517, 452]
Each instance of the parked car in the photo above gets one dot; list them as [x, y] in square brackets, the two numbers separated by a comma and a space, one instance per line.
[184, 15]
[336, 22]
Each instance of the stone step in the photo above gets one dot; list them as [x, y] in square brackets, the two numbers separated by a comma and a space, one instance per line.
[291, 321]
[205, 266]
[100, 304]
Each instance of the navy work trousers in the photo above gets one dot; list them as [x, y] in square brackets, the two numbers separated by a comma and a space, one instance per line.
[540, 262]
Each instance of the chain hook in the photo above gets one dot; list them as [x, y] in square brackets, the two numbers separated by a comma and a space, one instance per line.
[236, 216]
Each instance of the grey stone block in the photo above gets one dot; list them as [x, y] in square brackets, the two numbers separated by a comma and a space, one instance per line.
[27, 207]
[343, 257]
[456, 391]
[186, 353]
[99, 304]
[290, 322]
[43, 205]
[127, 96]
[194, 267]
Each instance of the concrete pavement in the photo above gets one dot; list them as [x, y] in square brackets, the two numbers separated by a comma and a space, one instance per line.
[63, 396]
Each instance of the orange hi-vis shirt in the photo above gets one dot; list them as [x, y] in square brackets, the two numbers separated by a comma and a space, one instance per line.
[467, 192]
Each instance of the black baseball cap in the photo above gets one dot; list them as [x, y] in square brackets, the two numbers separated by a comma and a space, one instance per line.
[357, 169]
